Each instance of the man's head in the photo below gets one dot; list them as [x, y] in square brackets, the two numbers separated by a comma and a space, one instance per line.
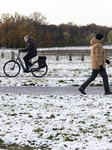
[99, 36]
[26, 38]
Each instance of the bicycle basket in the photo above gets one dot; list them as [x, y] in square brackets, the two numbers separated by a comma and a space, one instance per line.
[42, 61]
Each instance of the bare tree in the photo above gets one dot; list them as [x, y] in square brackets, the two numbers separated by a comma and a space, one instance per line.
[38, 18]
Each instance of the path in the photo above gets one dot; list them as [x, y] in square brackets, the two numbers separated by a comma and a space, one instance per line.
[52, 90]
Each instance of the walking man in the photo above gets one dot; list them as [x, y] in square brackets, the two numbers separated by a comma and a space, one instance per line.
[98, 64]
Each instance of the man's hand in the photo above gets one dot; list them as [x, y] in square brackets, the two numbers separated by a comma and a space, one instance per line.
[107, 61]
[101, 68]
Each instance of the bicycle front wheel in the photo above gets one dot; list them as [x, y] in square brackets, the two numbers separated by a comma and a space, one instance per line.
[39, 72]
[11, 68]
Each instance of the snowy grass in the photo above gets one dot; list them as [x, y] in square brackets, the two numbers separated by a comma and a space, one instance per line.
[56, 122]
[53, 122]
[60, 73]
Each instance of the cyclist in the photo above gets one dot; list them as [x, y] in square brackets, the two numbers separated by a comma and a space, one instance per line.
[31, 50]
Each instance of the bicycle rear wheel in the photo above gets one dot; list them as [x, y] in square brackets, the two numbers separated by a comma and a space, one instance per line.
[37, 71]
[11, 68]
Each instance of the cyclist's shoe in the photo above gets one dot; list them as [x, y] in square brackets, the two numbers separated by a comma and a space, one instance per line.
[26, 70]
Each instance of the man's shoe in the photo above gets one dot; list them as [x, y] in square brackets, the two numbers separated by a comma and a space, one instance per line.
[26, 70]
[108, 92]
[82, 90]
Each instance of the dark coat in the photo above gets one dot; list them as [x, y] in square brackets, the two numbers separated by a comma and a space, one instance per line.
[31, 47]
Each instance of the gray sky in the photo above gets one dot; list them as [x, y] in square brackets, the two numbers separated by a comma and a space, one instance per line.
[80, 12]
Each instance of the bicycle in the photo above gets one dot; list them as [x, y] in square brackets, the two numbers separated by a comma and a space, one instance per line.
[38, 69]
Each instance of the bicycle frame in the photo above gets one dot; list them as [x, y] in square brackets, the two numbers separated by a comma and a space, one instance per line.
[20, 61]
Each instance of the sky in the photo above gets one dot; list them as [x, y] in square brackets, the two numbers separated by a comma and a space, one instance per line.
[80, 12]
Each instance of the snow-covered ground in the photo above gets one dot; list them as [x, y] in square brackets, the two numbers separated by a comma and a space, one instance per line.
[57, 122]
[54, 122]
[60, 73]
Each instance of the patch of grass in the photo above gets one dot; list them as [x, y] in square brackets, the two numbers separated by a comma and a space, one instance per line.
[30, 116]
[38, 130]
[50, 137]
[28, 84]
[14, 114]
[51, 117]
[99, 137]
[85, 130]
[71, 80]
[44, 147]
[32, 84]
[91, 117]
[16, 147]
[92, 84]
[74, 85]
[83, 122]
[68, 139]
[76, 134]
[58, 128]
[62, 81]
[109, 120]
[2, 145]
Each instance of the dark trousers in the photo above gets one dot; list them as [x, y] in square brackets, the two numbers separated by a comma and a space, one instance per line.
[26, 58]
[103, 74]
